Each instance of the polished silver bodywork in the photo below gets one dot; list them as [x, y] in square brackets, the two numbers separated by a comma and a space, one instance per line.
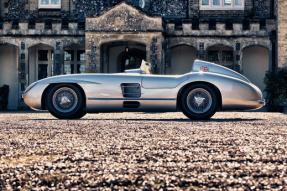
[156, 93]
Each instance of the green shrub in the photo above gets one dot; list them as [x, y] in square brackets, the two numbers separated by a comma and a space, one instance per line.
[276, 89]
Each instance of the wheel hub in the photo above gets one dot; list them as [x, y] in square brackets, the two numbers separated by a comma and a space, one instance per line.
[65, 100]
[199, 100]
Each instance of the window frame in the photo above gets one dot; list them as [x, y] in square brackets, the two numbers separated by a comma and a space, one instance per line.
[221, 6]
[74, 64]
[220, 56]
[49, 6]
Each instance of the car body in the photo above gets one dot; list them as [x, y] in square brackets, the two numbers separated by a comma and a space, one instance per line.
[207, 87]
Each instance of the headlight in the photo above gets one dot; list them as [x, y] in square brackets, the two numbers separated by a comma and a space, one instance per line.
[30, 87]
[258, 91]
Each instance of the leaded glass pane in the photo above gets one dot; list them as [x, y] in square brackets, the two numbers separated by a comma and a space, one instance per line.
[52, 70]
[44, 2]
[81, 68]
[68, 68]
[55, 2]
[238, 2]
[81, 55]
[213, 56]
[205, 2]
[227, 56]
[69, 55]
[42, 71]
[52, 55]
[227, 2]
[216, 2]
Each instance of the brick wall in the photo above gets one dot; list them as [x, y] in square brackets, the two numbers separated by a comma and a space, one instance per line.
[282, 33]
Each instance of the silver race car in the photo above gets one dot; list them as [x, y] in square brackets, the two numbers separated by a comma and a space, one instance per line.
[199, 94]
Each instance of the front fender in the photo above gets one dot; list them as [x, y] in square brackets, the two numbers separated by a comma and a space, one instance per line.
[33, 97]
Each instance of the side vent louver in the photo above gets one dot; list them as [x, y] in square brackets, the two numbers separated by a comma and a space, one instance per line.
[132, 90]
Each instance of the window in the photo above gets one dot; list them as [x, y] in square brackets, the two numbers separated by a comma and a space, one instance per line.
[221, 55]
[44, 62]
[221, 4]
[213, 56]
[49, 4]
[205, 2]
[74, 60]
[81, 55]
[69, 55]
[227, 56]
[43, 55]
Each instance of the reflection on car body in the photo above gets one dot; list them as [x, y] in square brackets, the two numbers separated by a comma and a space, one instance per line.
[199, 94]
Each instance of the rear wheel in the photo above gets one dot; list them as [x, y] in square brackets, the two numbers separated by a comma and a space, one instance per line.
[65, 101]
[199, 101]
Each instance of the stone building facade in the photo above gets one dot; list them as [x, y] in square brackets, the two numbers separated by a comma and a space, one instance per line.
[42, 38]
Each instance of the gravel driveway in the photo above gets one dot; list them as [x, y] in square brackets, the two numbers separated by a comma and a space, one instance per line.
[138, 151]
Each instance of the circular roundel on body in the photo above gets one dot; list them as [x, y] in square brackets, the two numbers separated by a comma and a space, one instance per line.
[142, 3]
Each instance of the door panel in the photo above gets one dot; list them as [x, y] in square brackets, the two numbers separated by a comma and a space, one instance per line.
[107, 95]
[162, 82]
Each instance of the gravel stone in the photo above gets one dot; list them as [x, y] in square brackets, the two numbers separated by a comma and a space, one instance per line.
[143, 151]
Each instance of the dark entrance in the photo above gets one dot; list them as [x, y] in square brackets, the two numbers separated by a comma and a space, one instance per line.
[132, 60]
[42, 71]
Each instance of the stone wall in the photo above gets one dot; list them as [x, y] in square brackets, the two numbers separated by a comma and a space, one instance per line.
[90, 8]
[220, 29]
[282, 33]
[14, 9]
[166, 8]
[169, 8]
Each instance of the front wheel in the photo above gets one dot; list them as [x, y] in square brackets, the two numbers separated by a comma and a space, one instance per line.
[199, 101]
[65, 101]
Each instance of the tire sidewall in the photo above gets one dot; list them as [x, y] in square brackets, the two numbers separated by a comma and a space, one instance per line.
[70, 115]
[200, 116]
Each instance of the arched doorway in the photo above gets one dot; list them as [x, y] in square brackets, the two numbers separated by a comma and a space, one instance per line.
[9, 73]
[41, 62]
[255, 65]
[132, 60]
[182, 58]
[120, 55]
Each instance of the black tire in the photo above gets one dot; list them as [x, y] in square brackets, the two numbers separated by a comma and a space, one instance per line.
[201, 107]
[82, 114]
[71, 98]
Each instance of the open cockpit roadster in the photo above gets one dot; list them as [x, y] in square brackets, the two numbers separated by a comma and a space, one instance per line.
[199, 94]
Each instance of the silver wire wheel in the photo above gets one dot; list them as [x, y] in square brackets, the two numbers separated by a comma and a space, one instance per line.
[199, 100]
[65, 100]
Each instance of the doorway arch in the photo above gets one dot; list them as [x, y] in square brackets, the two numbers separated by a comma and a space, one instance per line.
[9, 73]
[182, 58]
[41, 62]
[255, 65]
[132, 60]
[113, 53]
